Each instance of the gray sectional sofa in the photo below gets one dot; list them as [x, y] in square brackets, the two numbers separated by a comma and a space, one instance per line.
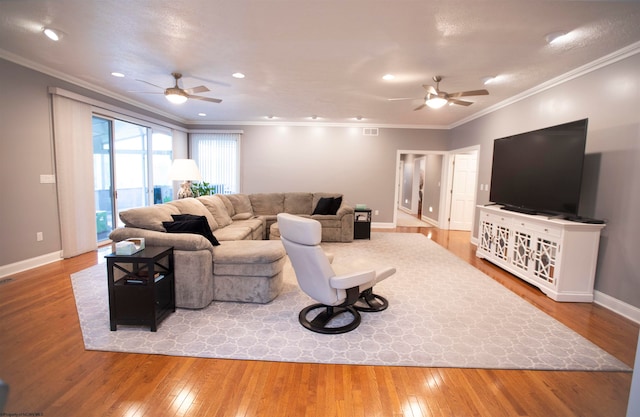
[249, 265]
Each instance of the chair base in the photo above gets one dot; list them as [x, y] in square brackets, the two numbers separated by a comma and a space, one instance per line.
[370, 302]
[319, 323]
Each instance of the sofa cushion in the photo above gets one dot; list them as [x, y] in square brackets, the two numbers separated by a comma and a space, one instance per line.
[234, 232]
[149, 218]
[218, 210]
[193, 206]
[241, 204]
[267, 203]
[191, 224]
[298, 203]
[227, 203]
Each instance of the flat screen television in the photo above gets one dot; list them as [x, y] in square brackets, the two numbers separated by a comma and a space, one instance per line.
[540, 172]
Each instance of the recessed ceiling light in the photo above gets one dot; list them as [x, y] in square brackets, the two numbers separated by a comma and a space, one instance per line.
[237, 75]
[388, 77]
[359, 118]
[555, 37]
[314, 117]
[271, 117]
[488, 80]
[53, 34]
[202, 114]
[117, 74]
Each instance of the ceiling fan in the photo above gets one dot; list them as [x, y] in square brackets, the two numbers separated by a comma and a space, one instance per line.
[436, 98]
[177, 95]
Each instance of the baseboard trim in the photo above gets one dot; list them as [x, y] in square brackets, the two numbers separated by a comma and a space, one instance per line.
[617, 306]
[383, 225]
[14, 268]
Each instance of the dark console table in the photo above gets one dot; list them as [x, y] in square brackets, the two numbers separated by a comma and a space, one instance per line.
[141, 287]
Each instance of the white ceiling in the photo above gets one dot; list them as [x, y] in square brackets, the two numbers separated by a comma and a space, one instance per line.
[322, 57]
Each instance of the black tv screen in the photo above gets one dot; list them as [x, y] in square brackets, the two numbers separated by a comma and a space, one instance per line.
[540, 171]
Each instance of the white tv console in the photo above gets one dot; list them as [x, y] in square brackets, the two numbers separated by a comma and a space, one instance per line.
[558, 256]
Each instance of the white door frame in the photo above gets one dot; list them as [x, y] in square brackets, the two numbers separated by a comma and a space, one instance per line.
[442, 216]
[448, 166]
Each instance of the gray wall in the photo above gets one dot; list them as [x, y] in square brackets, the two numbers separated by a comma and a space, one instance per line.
[332, 159]
[432, 187]
[610, 98]
[26, 151]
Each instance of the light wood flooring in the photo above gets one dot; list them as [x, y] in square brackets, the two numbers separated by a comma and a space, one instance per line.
[42, 357]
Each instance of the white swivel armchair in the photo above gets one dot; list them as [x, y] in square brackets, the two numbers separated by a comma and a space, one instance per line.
[336, 294]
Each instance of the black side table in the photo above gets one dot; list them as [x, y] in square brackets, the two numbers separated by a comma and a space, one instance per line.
[141, 287]
[362, 224]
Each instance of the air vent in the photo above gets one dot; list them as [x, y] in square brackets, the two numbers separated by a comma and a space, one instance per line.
[370, 131]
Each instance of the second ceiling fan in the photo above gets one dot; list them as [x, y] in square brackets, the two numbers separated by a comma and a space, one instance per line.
[437, 98]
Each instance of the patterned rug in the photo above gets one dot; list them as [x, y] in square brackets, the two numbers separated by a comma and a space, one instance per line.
[442, 313]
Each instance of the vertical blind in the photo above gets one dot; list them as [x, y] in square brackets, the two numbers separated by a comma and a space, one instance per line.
[72, 132]
[218, 157]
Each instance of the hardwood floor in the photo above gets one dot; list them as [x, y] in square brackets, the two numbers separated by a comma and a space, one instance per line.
[42, 357]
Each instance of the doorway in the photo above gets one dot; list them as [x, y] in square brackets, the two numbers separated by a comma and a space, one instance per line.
[419, 191]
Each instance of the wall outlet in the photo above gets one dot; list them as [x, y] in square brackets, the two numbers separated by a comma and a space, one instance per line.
[39, 237]
[376, 212]
[47, 179]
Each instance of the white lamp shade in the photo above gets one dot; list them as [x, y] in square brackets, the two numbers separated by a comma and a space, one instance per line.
[184, 170]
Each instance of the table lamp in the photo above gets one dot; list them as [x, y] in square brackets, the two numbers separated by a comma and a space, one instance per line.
[184, 170]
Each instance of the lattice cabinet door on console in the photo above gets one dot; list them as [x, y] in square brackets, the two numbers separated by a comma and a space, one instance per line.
[557, 256]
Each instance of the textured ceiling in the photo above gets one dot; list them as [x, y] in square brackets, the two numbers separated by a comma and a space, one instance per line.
[323, 58]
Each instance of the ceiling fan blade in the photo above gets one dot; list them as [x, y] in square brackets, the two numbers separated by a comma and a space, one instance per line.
[460, 102]
[431, 89]
[405, 98]
[420, 107]
[212, 100]
[470, 93]
[147, 82]
[146, 92]
[196, 90]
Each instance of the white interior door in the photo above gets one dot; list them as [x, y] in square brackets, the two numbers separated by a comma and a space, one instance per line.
[463, 191]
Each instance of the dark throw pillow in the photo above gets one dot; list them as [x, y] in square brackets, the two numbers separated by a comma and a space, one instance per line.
[189, 223]
[337, 202]
[328, 205]
[323, 206]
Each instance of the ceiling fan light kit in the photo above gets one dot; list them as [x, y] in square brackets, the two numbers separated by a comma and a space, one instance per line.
[436, 98]
[436, 102]
[177, 95]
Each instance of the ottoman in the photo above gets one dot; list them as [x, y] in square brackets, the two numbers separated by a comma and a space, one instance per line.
[274, 232]
[248, 271]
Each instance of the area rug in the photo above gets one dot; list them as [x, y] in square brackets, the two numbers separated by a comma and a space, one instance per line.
[442, 313]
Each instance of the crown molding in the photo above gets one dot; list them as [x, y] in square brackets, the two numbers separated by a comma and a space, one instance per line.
[609, 59]
[606, 60]
[9, 56]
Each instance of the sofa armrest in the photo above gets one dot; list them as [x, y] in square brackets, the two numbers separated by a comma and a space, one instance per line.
[344, 210]
[179, 241]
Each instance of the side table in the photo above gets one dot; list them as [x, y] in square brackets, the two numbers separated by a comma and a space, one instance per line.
[141, 287]
[362, 224]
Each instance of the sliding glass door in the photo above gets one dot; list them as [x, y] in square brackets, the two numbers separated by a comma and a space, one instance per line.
[136, 159]
[102, 177]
